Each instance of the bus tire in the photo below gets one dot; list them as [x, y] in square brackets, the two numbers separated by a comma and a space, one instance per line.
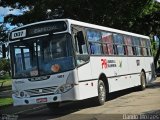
[101, 98]
[143, 81]
[53, 106]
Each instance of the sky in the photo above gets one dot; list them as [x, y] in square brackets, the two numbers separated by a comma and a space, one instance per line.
[8, 10]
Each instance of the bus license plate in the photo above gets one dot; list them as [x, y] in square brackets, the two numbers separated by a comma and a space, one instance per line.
[41, 100]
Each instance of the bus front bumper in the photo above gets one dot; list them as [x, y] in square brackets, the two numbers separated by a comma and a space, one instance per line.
[36, 100]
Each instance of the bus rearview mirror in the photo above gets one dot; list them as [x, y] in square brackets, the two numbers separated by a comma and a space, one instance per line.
[80, 38]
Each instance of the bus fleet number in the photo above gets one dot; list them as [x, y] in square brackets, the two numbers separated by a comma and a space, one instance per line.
[18, 34]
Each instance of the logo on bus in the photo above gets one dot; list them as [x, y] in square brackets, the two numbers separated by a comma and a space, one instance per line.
[110, 63]
[104, 63]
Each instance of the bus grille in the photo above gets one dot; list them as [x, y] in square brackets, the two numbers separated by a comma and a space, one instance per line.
[41, 91]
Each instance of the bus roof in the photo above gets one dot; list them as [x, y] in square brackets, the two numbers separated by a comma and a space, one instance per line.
[84, 24]
[105, 28]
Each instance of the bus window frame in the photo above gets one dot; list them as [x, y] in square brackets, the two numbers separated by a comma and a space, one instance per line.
[74, 41]
[26, 39]
[114, 49]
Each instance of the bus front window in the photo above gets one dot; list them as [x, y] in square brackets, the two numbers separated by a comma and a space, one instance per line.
[42, 56]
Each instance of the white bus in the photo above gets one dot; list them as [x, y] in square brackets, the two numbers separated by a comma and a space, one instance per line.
[66, 60]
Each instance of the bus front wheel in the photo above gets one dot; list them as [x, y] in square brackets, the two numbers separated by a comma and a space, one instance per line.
[101, 98]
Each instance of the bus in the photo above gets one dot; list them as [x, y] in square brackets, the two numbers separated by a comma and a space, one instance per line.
[62, 60]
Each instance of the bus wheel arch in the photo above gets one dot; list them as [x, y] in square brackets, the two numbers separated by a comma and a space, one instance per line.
[105, 80]
[143, 72]
[102, 90]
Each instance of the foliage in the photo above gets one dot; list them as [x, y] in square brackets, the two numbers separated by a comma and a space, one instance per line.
[121, 14]
[6, 78]
[3, 33]
[139, 16]
[154, 50]
[4, 65]
[130, 15]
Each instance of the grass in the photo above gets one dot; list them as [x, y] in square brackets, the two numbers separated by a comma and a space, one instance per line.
[7, 80]
[5, 101]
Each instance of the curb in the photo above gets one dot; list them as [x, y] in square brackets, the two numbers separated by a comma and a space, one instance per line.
[5, 106]
[4, 88]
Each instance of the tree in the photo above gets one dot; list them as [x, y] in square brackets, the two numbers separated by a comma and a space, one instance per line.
[139, 16]
[157, 54]
[151, 26]
[3, 33]
[121, 14]
[4, 65]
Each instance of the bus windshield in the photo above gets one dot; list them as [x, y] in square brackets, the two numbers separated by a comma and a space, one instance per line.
[42, 56]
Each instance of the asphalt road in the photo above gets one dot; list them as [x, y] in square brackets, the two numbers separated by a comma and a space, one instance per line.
[126, 104]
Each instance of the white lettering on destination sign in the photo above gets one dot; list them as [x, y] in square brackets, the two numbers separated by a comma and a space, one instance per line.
[19, 34]
[43, 29]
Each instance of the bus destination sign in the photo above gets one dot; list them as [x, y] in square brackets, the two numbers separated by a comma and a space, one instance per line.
[47, 28]
[39, 29]
[43, 29]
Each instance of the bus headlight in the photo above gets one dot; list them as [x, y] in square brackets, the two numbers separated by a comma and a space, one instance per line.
[70, 82]
[21, 94]
[64, 88]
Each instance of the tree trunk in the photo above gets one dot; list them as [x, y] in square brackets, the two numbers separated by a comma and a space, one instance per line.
[157, 54]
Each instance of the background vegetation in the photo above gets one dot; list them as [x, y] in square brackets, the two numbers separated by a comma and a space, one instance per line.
[138, 16]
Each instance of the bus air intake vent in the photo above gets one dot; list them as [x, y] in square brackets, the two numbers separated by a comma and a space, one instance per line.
[41, 91]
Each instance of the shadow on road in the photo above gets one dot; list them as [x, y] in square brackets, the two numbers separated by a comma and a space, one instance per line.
[43, 113]
[69, 108]
[65, 109]
[154, 85]
[153, 112]
[117, 94]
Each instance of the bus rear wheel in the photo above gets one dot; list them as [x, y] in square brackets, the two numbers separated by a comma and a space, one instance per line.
[101, 98]
[53, 106]
[143, 81]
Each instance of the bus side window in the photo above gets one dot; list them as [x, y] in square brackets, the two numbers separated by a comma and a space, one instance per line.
[80, 45]
[119, 44]
[143, 47]
[94, 38]
[79, 41]
[136, 46]
[82, 48]
[95, 48]
[148, 47]
[128, 45]
[107, 39]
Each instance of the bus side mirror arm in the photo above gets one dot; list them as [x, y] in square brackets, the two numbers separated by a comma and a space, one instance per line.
[3, 51]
